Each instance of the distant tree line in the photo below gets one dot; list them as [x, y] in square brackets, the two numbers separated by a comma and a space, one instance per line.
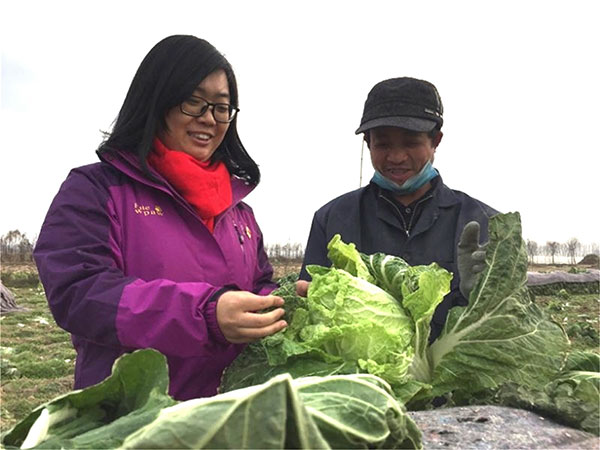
[15, 247]
[288, 252]
[572, 251]
[551, 251]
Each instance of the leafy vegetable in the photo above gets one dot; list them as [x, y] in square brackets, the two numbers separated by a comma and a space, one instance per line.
[100, 416]
[501, 336]
[352, 411]
[572, 398]
[333, 412]
[347, 322]
[357, 411]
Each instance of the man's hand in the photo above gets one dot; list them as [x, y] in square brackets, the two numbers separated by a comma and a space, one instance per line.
[470, 258]
[302, 288]
[240, 321]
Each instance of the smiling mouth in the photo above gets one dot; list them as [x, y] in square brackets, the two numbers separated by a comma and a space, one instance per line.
[201, 138]
[397, 172]
[397, 175]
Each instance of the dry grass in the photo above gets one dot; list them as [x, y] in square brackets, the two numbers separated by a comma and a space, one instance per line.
[283, 268]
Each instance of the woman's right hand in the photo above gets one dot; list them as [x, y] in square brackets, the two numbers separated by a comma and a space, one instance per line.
[240, 321]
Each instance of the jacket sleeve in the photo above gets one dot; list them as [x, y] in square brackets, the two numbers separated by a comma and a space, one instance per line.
[263, 275]
[81, 269]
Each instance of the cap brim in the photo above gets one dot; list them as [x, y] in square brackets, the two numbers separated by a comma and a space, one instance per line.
[408, 123]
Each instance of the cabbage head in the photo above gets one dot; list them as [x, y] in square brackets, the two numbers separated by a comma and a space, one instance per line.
[372, 313]
[350, 322]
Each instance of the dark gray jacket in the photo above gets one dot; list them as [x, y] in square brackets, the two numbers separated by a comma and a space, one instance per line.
[368, 218]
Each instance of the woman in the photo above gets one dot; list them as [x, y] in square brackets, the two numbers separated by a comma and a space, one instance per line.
[153, 246]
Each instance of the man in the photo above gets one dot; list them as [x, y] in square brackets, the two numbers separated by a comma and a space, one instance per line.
[406, 210]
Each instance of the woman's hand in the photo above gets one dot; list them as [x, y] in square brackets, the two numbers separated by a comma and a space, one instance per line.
[240, 321]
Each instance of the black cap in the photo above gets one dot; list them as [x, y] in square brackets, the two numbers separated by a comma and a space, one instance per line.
[405, 103]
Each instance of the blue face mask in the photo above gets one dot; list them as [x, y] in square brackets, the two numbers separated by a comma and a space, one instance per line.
[426, 174]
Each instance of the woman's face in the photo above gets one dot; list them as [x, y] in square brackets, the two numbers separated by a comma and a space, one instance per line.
[198, 136]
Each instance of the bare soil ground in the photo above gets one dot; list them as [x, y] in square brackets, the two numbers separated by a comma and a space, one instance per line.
[281, 269]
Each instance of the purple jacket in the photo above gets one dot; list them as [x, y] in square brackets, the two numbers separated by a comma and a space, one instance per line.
[126, 263]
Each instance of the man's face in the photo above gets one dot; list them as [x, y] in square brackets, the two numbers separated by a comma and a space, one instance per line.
[398, 154]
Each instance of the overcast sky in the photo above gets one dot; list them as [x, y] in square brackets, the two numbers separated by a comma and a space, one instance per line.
[518, 79]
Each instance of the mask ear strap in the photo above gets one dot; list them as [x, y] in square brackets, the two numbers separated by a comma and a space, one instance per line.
[362, 150]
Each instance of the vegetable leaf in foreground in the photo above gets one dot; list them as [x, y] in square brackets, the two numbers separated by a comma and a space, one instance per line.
[100, 416]
[131, 409]
[353, 411]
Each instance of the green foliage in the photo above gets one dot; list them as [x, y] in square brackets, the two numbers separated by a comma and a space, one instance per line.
[44, 369]
[584, 332]
[288, 278]
[20, 279]
[563, 294]
[500, 339]
[592, 287]
[347, 323]
[131, 409]
[24, 333]
[570, 398]
[89, 418]
[8, 370]
[580, 316]
[383, 328]
[37, 357]
[556, 305]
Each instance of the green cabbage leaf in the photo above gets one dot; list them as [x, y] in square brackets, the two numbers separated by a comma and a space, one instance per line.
[501, 336]
[103, 415]
[372, 314]
[131, 409]
[572, 397]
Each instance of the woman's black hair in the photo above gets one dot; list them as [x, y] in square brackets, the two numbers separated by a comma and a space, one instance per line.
[167, 76]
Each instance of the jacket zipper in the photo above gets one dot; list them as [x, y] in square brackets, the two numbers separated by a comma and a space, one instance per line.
[407, 229]
[239, 234]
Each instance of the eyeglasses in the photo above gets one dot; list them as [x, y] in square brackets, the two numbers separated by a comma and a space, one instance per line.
[197, 106]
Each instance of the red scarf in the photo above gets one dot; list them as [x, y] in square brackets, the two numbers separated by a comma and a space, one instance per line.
[206, 187]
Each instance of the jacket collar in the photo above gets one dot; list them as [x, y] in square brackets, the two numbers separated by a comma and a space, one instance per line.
[437, 198]
[128, 164]
[444, 195]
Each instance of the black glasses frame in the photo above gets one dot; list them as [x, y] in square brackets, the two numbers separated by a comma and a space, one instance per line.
[232, 110]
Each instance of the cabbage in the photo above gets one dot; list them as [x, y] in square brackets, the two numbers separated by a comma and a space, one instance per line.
[348, 324]
[501, 336]
[572, 398]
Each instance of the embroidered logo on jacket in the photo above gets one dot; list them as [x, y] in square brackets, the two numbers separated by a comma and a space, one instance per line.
[147, 210]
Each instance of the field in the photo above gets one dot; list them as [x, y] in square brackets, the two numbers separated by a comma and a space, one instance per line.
[37, 359]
